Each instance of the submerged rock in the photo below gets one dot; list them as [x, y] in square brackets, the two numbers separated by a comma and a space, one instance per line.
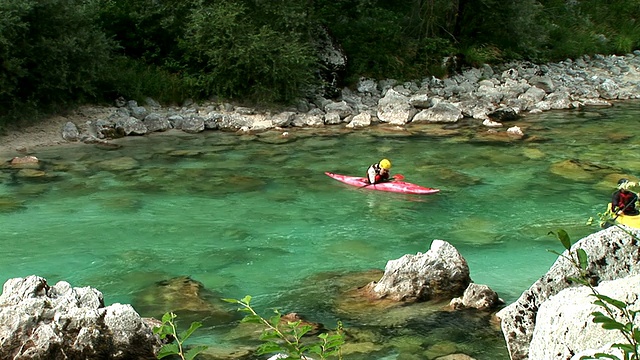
[477, 296]
[10, 204]
[188, 298]
[25, 162]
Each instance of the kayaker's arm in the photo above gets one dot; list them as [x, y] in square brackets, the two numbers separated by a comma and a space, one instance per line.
[615, 201]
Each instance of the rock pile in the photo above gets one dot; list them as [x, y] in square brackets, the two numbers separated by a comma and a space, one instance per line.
[491, 95]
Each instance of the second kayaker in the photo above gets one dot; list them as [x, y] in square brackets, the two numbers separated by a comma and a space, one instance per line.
[624, 200]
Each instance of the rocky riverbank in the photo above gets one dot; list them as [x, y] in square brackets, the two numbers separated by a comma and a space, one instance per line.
[489, 97]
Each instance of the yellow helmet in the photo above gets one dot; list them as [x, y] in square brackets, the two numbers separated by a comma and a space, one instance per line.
[385, 164]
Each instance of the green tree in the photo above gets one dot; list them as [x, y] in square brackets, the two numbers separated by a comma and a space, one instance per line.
[148, 30]
[52, 52]
[234, 52]
[515, 27]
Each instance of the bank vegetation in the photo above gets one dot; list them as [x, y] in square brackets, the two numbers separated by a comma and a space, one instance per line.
[58, 53]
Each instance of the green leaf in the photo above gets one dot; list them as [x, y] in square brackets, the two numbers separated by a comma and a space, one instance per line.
[268, 347]
[194, 351]
[232, 301]
[168, 349]
[246, 300]
[163, 331]
[601, 356]
[612, 325]
[625, 347]
[168, 317]
[185, 334]
[334, 343]
[636, 335]
[315, 349]
[269, 334]
[617, 303]
[275, 320]
[582, 259]
[564, 238]
[252, 319]
[601, 318]
[293, 324]
[303, 330]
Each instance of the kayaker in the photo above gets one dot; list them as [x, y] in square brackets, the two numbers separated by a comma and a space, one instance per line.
[379, 172]
[623, 200]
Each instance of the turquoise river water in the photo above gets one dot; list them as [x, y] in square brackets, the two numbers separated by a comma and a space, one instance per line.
[255, 215]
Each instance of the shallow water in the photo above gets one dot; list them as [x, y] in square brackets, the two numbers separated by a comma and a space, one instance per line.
[256, 215]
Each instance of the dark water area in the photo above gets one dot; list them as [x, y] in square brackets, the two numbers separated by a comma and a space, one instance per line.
[255, 215]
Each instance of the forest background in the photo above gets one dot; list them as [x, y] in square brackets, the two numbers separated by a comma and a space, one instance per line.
[55, 54]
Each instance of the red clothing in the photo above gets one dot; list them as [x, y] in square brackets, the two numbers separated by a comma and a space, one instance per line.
[376, 175]
[624, 199]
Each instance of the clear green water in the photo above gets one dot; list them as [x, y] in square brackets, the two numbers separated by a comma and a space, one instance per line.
[256, 215]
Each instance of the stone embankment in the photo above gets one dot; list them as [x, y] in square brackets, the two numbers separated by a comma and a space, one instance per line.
[490, 95]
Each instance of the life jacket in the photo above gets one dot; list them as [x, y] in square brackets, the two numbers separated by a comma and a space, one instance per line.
[624, 199]
[378, 176]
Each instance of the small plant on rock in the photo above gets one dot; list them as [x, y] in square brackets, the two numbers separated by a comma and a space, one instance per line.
[168, 330]
[285, 337]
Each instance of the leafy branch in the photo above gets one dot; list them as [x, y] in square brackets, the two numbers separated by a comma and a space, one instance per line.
[168, 330]
[281, 337]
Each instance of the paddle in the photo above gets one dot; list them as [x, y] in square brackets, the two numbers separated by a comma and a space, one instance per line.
[396, 177]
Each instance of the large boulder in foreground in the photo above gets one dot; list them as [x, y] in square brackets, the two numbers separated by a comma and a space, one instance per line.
[612, 254]
[38, 321]
[565, 327]
[440, 273]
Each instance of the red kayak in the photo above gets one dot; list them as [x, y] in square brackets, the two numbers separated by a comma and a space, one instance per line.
[392, 186]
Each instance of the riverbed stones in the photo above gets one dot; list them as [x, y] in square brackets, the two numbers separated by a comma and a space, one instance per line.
[360, 121]
[25, 162]
[394, 108]
[442, 112]
[10, 204]
[156, 122]
[575, 169]
[186, 297]
[70, 132]
[477, 296]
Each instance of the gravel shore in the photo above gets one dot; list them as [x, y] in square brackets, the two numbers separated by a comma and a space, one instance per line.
[22, 140]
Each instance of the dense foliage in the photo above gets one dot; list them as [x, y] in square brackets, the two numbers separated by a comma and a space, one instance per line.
[57, 52]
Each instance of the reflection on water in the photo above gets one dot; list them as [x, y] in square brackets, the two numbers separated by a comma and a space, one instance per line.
[255, 214]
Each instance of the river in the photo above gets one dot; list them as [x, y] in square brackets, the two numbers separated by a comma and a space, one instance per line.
[255, 215]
